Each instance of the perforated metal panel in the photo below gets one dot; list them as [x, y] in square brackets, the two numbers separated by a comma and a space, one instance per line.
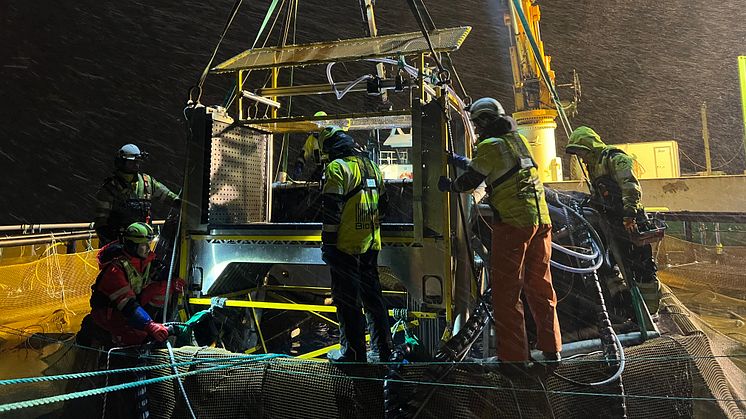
[238, 175]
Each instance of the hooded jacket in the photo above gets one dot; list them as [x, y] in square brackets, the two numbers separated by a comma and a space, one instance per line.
[353, 200]
[608, 163]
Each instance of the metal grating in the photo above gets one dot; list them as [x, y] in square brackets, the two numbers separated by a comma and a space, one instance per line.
[449, 39]
[238, 175]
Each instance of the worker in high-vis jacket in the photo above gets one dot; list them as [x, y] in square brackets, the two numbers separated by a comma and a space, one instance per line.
[617, 194]
[353, 203]
[126, 196]
[310, 154]
[521, 232]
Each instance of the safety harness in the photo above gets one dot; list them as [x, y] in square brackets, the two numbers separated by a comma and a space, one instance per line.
[606, 190]
[524, 160]
[138, 209]
[137, 281]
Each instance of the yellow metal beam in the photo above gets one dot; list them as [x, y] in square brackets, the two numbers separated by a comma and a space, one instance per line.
[324, 350]
[312, 312]
[297, 307]
[394, 45]
[742, 77]
[304, 288]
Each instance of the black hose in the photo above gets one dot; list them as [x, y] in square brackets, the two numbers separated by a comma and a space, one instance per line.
[612, 347]
[393, 405]
[451, 352]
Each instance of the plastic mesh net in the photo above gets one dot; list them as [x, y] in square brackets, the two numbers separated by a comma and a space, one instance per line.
[47, 295]
[665, 377]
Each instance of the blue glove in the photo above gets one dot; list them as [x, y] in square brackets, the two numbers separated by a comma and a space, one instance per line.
[458, 160]
[139, 318]
[445, 184]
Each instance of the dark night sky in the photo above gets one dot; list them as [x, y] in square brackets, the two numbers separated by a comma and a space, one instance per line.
[79, 79]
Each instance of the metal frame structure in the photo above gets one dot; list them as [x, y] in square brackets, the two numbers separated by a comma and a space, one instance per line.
[212, 243]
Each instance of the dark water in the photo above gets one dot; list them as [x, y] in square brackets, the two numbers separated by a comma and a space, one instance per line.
[79, 79]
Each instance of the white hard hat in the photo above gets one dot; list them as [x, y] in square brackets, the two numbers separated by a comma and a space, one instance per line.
[485, 106]
[129, 152]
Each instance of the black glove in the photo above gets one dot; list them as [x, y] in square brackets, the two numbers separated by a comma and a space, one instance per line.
[297, 170]
[445, 184]
[458, 160]
[327, 252]
[176, 204]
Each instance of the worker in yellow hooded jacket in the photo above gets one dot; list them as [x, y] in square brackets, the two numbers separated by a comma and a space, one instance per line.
[353, 202]
[617, 195]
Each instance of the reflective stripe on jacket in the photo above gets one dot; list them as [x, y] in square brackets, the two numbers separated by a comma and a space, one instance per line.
[120, 203]
[357, 183]
[515, 190]
[120, 281]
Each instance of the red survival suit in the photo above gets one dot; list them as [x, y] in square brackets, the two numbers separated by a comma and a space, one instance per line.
[125, 295]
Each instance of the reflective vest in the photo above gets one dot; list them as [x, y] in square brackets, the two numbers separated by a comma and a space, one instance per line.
[515, 190]
[360, 182]
[312, 149]
[136, 281]
[130, 205]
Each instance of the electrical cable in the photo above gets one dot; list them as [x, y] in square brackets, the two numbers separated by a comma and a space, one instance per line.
[574, 254]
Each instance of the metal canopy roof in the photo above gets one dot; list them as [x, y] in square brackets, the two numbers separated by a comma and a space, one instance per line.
[449, 39]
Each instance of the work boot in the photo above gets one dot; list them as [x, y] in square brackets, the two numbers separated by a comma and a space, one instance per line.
[515, 369]
[548, 362]
[336, 355]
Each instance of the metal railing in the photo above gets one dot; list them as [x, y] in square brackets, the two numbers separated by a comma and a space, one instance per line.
[33, 234]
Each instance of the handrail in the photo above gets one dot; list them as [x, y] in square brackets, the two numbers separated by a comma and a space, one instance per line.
[80, 231]
[43, 240]
[34, 228]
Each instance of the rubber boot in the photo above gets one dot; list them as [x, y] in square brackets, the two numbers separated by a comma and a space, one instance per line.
[547, 362]
[380, 337]
[351, 340]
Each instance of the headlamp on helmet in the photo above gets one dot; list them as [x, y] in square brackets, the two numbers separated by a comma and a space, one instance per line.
[129, 158]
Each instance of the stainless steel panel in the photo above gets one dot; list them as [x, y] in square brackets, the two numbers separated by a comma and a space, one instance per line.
[212, 256]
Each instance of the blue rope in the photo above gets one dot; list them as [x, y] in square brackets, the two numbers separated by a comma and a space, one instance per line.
[79, 375]
[69, 396]
[64, 397]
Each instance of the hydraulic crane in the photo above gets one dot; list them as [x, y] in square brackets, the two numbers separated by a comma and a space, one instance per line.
[535, 111]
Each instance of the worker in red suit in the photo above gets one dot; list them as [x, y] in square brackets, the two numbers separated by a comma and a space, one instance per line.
[128, 291]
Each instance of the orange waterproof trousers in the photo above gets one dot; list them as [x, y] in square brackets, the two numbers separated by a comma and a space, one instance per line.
[519, 260]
